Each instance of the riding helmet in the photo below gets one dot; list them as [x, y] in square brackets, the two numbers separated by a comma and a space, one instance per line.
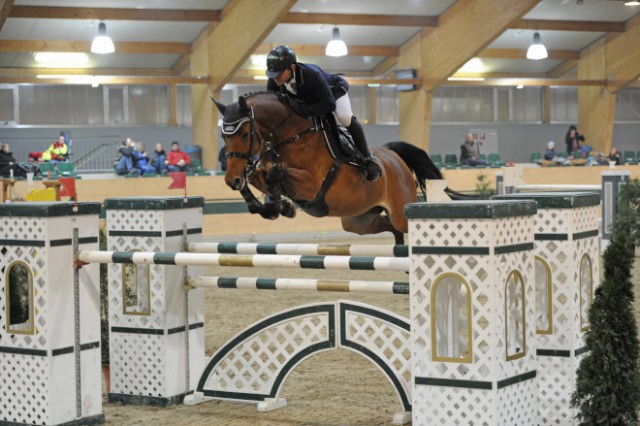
[279, 59]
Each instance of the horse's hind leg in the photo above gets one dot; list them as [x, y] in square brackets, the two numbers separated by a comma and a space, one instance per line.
[371, 222]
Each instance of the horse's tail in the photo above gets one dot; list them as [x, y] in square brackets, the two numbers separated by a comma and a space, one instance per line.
[423, 168]
[418, 162]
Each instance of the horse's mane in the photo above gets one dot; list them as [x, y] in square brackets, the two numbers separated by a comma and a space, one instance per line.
[266, 93]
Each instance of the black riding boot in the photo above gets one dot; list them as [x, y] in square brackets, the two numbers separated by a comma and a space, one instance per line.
[357, 134]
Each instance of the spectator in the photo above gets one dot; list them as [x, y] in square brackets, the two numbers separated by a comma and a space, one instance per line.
[123, 163]
[141, 160]
[469, 154]
[614, 156]
[58, 151]
[177, 160]
[158, 157]
[573, 139]
[550, 154]
[9, 163]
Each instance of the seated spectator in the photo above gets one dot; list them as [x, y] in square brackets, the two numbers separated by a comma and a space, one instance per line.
[177, 160]
[614, 156]
[8, 163]
[573, 139]
[550, 154]
[469, 154]
[58, 151]
[123, 163]
[141, 160]
[158, 157]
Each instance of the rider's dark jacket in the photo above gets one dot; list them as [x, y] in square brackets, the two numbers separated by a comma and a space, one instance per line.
[318, 89]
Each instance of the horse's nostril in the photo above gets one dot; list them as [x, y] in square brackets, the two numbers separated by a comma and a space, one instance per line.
[236, 183]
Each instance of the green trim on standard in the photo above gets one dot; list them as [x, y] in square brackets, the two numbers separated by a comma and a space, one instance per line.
[556, 200]
[52, 209]
[153, 203]
[476, 209]
[585, 234]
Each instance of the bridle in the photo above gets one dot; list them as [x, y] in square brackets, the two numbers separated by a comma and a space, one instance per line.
[268, 146]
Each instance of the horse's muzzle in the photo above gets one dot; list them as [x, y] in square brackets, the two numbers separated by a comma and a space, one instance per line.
[234, 183]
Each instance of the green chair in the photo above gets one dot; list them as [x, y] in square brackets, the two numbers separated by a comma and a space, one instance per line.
[48, 170]
[629, 157]
[536, 157]
[437, 159]
[196, 168]
[67, 170]
[494, 160]
[450, 161]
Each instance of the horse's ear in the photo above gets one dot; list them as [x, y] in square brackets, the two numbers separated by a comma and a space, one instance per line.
[221, 107]
[243, 103]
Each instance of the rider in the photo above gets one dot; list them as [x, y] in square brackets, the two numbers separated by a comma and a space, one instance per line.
[315, 92]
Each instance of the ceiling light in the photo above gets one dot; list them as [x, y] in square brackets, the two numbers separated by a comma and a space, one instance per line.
[61, 59]
[337, 46]
[465, 78]
[537, 49]
[520, 86]
[102, 44]
[632, 3]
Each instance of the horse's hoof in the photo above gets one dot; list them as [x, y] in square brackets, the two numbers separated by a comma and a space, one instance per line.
[287, 209]
[270, 211]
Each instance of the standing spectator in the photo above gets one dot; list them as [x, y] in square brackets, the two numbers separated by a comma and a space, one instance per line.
[9, 163]
[141, 160]
[123, 163]
[177, 160]
[469, 154]
[614, 156]
[158, 157]
[573, 139]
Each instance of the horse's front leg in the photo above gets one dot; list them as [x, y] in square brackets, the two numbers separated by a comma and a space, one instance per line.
[267, 211]
[274, 179]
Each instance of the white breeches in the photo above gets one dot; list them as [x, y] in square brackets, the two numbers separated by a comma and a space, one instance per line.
[343, 110]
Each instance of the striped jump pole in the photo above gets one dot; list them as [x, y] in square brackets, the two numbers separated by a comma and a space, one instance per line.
[300, 284]
[361, 263]
[301, 249]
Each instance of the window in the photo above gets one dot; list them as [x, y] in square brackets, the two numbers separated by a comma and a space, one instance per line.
[544, 307]
[515, 327]
[136, 288]
[451, 334]
[586, 291]
[19, 294]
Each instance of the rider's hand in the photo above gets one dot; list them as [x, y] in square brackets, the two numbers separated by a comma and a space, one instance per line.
[299, 107]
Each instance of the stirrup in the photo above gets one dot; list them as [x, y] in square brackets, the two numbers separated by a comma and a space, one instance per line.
[372, 169]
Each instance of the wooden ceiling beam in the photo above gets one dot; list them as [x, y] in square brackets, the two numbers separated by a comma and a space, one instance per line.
[385, 66]
[529, 82]
[522, 54]
[356, 19]
[562, 69]
[319, 50]
[5, 9]
[104, 80]
[566, 25]
[181, 65]
[85, 46]
[114, 14]
[31, 72]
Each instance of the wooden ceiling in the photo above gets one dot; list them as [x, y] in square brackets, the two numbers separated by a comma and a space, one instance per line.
[382, 57]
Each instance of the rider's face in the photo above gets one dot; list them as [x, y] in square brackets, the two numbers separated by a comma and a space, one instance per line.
[283, 77]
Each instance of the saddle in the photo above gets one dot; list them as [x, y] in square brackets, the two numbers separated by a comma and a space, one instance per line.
[338, 140]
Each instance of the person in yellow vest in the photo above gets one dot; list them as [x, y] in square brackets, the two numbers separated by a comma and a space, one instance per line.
[57, 151]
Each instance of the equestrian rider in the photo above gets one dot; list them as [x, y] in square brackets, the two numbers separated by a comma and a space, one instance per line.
[314, 92]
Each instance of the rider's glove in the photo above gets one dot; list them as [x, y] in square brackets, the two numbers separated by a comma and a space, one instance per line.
[300, 107]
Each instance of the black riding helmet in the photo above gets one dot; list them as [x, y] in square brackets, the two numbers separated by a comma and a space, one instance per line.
[279, 59]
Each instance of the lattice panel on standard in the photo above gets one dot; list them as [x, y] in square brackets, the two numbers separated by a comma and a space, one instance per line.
[517, 404]
[253, 365]
[444, 233]
[135, 220]
[556, 382]
[140, 366]
[29, 389]
[446, 406]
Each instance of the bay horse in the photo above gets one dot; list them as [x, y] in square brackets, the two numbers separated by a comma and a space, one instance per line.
[284, 154]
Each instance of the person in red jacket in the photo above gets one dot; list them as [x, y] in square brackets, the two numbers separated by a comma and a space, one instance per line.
[177, 160]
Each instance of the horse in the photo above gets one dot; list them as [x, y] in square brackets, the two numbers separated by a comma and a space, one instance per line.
[284, 154]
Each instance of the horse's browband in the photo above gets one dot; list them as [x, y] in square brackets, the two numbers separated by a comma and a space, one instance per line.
[232, 128]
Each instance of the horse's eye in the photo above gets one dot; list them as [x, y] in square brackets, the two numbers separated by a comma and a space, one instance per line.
[245, 136]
